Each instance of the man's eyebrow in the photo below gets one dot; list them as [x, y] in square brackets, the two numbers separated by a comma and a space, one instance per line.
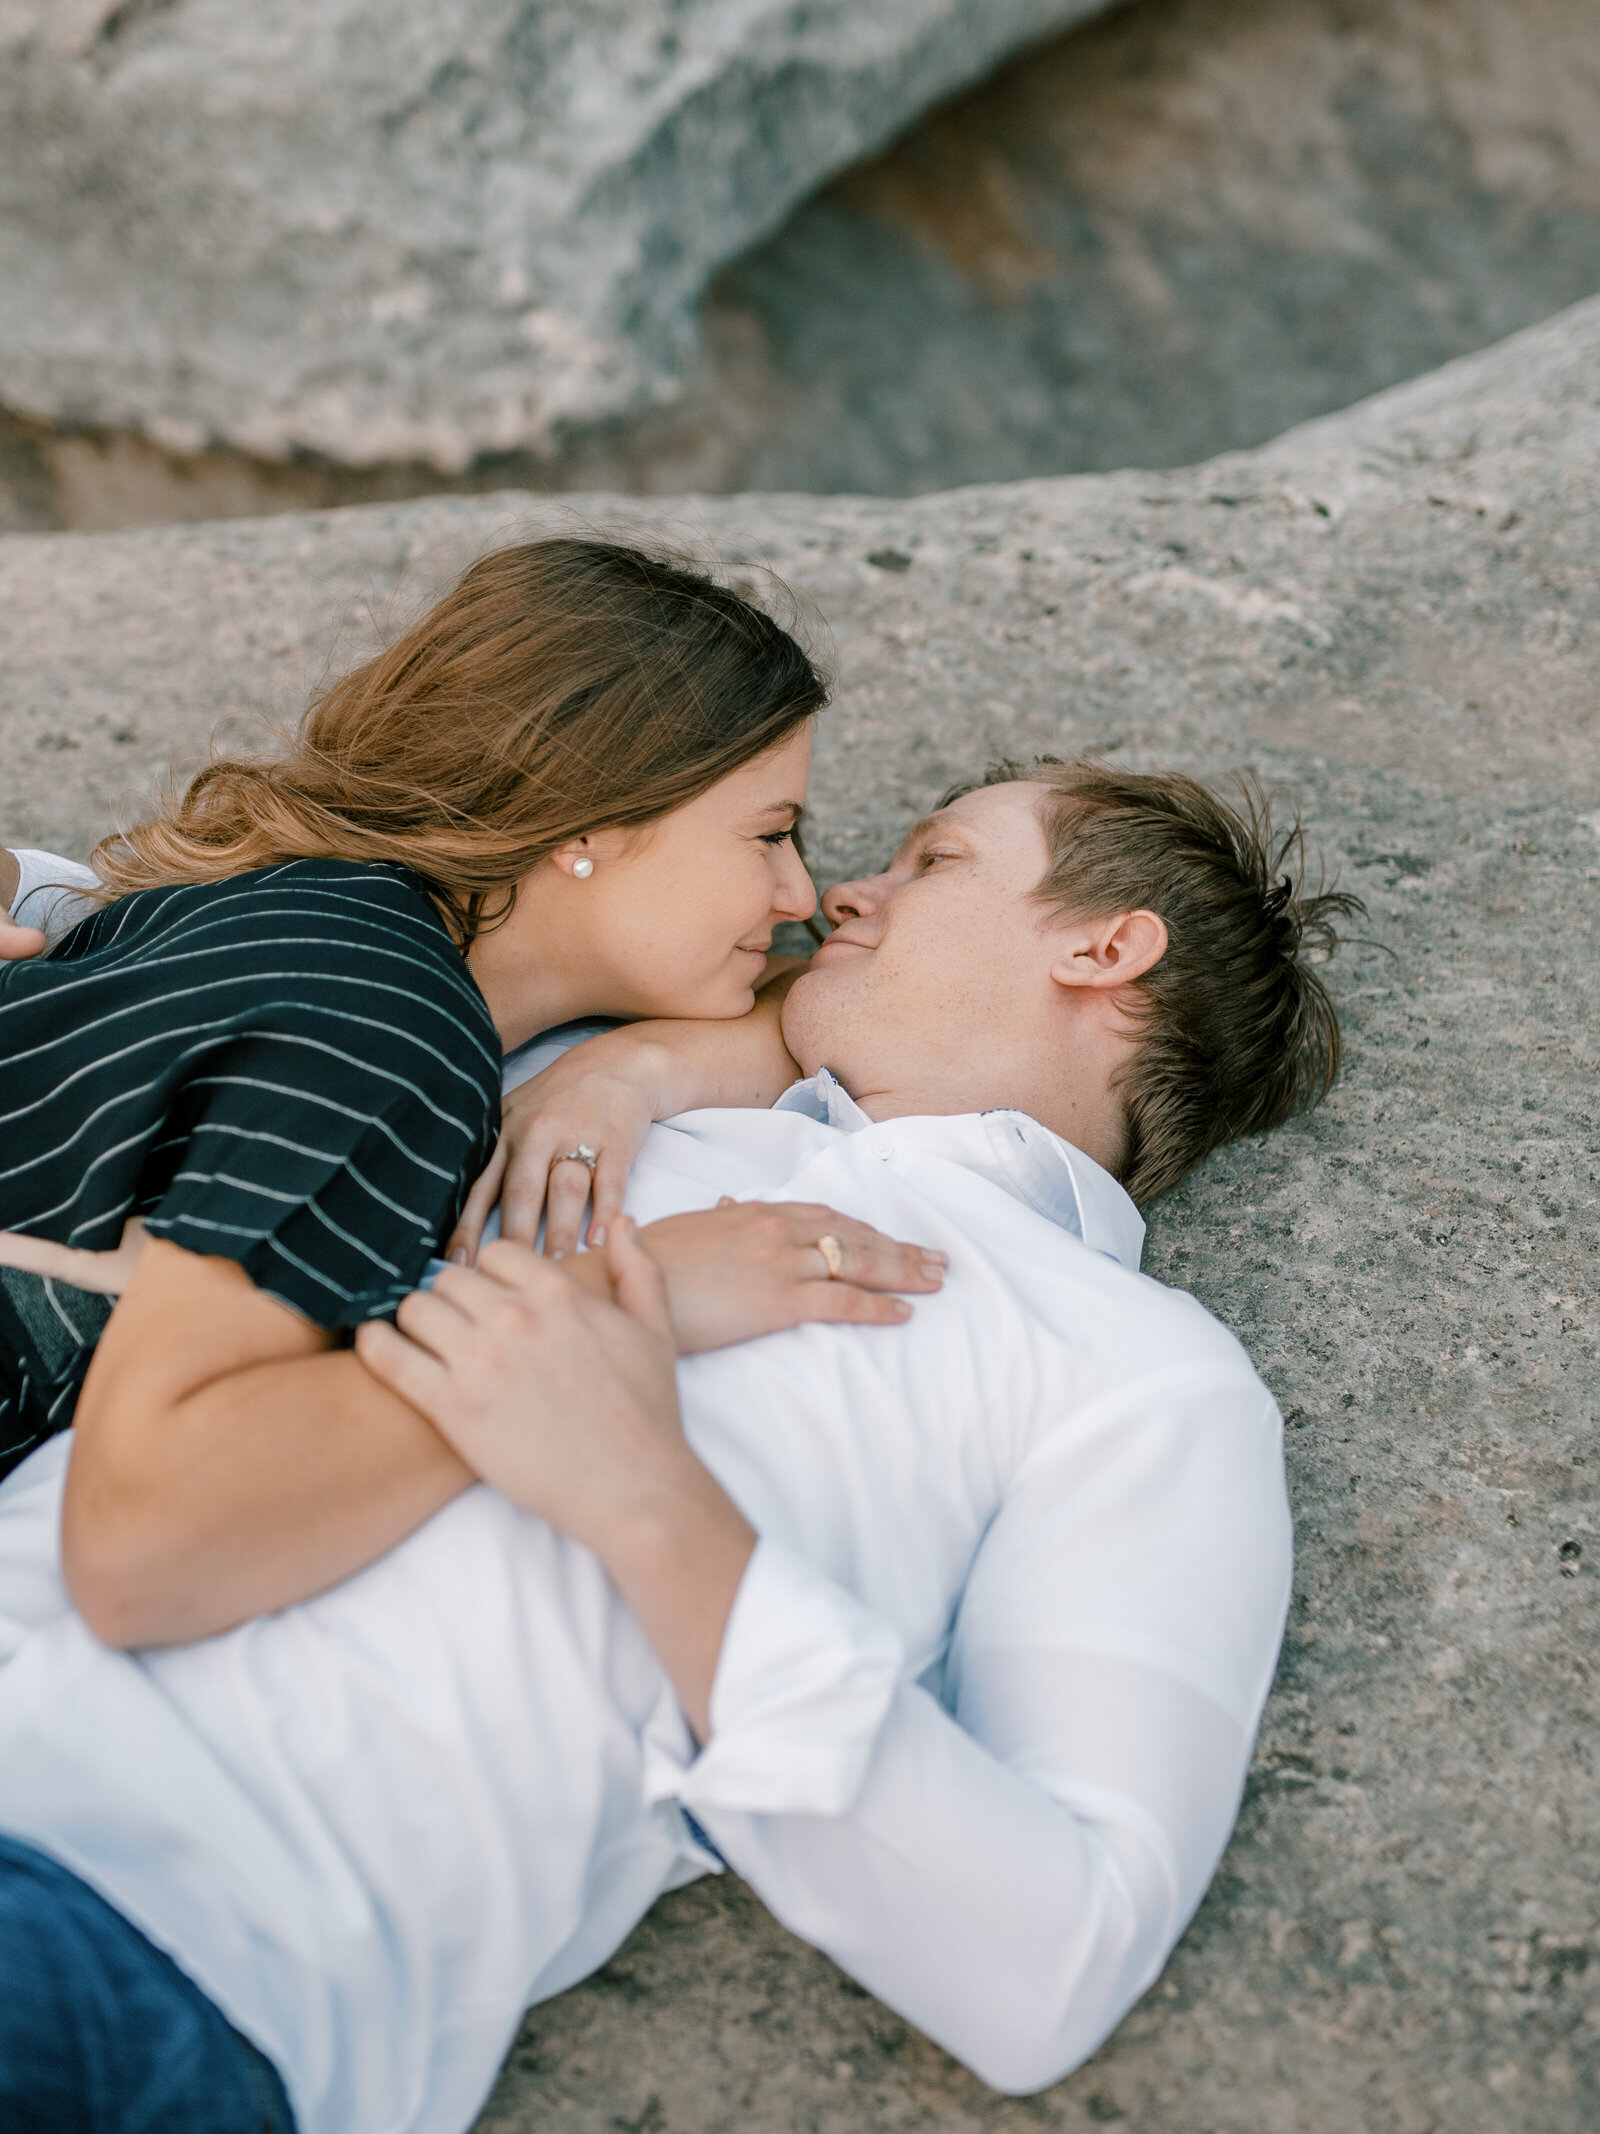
[925, 828]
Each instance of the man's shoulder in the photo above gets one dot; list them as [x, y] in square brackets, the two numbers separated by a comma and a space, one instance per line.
[1186, 1330]
[1119, 1327]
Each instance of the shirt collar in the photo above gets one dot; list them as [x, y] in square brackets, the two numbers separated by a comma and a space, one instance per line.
[1051, 1176]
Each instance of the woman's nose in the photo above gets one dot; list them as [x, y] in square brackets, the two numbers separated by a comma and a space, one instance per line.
[796, 896]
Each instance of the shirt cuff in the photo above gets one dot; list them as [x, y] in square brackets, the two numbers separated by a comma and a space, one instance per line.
[47, 893]
[804, 1683]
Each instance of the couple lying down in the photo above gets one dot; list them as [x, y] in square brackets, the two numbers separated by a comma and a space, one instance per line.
[947, 1626]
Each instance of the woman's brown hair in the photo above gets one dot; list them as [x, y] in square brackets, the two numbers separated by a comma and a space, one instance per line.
[564, 686]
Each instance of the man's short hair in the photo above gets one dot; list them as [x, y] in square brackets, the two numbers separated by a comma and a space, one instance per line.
[1238, 1030]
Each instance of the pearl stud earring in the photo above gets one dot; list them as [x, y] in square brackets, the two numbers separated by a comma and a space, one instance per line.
[583, 869]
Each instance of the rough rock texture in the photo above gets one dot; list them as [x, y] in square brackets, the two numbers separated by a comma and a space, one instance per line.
[417, 231]
[1174, 232]
[1395, 614]
[1171, 231]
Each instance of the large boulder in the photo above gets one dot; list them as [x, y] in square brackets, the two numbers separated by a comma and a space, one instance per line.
[417, 231]
[1173, 232]
[1393, 614]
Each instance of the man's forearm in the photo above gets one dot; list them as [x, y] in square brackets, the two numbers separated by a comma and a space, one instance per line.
[10, 878]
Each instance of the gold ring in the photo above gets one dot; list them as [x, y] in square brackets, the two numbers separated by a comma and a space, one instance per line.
[833, 1255]
[583, 1154]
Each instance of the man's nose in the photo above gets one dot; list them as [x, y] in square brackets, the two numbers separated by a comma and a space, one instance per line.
[796, 894]
[849, 900]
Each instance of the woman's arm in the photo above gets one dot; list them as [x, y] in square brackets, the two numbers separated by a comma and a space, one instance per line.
[605, 1094]
[568, 1404]
[226, 1462]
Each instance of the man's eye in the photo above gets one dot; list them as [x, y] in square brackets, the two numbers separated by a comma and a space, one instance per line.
[928, 858]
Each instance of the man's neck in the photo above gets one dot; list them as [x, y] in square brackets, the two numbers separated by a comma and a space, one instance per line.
[1091, 1121]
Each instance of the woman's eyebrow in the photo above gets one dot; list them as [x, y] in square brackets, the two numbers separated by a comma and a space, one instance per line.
[792, 808]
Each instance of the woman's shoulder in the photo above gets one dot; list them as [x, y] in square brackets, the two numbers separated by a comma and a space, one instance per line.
[306, 939]
[317, 907]
[352, 901]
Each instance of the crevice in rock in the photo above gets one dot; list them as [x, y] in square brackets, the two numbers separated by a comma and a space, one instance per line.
[1177, 230]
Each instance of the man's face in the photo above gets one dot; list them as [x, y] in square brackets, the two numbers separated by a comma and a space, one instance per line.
[938, 973]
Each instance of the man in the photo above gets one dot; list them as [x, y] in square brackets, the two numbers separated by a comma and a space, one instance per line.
[975, 1616]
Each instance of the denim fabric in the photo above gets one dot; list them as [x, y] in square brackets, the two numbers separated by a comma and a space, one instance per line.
[100, 2033]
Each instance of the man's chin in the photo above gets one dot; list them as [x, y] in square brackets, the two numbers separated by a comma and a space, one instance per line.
[814, 1021]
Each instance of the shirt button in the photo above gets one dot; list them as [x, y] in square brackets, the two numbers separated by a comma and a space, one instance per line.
[882, 1148]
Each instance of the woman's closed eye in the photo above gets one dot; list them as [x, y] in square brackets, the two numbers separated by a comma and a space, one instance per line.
[777, 837]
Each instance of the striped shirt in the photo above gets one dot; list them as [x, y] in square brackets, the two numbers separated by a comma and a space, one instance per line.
[292, 1070]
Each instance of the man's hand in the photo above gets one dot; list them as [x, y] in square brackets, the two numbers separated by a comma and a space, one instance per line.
[563, 1401]
[746, 1268]
[17, 943]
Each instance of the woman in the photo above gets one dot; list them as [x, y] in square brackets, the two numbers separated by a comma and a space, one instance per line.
[570, 790]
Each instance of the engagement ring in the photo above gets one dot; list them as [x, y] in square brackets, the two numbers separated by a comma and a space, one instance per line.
[583, 1154]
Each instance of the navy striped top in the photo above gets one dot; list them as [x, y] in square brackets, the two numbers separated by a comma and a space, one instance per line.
[293, 1070]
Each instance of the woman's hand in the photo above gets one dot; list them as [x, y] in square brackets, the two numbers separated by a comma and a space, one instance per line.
[603, 1096]
[605, 1102]
[567, 1404]
[746, 1268]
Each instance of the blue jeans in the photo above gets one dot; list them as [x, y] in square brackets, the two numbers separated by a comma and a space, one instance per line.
[100, 2033]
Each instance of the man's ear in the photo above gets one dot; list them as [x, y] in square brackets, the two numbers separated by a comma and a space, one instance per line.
[1104, 953]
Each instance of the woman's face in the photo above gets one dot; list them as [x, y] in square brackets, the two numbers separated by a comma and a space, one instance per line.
[674, 919]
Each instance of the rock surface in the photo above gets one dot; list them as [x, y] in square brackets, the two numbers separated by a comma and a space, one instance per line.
[1173, 230]
[1172, 233]
[418, 232]
[1395, 614]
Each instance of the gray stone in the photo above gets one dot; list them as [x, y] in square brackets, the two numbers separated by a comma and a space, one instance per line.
[417, 232]
[1393, 614]
[1171, 231]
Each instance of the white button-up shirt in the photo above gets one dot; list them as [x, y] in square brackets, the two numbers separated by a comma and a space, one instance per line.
[980, 1721]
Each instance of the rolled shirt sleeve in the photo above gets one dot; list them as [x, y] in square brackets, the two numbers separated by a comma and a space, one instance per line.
[805, 1681]
[1009, 1865]
[53, 894]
